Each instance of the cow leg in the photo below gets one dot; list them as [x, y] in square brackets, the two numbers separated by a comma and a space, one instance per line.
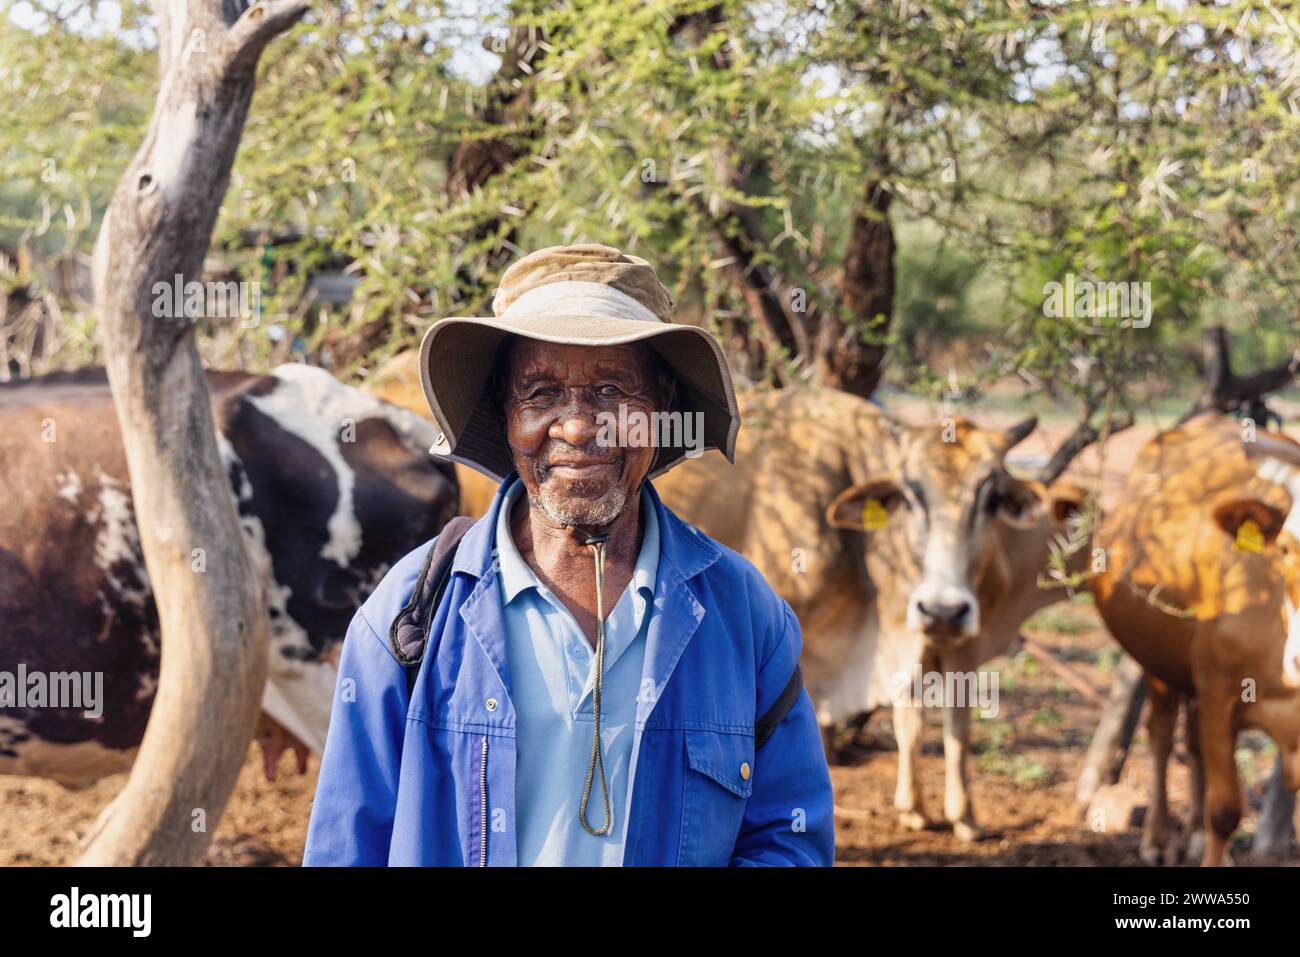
[956, 785]
[908, 723]
[1196, 804]
[1158, 841]
[1275, 833]
[1223, 800]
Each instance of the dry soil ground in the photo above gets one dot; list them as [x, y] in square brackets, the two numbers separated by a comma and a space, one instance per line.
[1026, 762]
[1024, 769]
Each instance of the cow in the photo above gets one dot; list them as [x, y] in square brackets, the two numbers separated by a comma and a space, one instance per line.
[943, 587]
[332, 486]
[1200, 576]
[904, 552]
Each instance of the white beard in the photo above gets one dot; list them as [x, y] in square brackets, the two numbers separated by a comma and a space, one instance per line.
[568, 510]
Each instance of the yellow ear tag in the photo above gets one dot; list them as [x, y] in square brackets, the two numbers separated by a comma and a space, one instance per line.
[874, 515]
[1249, 537]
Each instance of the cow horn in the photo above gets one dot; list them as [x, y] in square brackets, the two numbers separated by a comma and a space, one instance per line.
[1020, 431]
[1281, 449]
[1082, 437]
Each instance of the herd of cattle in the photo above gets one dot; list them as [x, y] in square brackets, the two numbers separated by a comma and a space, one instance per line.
[903, 550]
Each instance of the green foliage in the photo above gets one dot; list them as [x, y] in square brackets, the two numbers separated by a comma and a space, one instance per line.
[76, 103]
[1118, 142]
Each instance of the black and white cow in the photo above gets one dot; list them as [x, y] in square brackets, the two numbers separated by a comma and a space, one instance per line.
[332, 486]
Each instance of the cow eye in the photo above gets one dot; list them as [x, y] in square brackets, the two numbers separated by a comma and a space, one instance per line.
[1012, 503]
[895, 500]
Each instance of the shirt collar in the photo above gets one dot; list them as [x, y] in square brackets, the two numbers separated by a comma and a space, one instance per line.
[516, 576]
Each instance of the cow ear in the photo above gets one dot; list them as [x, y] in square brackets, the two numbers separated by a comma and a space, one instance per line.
[1236, 515]
[866, 507]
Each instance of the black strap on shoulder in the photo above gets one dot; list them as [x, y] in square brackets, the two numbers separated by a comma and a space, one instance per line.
[766, 725]
[409, 632]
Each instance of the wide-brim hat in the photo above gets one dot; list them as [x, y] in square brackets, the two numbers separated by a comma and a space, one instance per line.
[574, 295]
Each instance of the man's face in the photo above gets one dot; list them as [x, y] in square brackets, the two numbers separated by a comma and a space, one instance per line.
[559, 400]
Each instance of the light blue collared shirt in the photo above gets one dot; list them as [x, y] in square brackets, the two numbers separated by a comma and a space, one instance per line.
[552, 669]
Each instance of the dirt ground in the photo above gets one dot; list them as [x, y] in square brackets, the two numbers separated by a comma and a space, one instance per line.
[1026, 761]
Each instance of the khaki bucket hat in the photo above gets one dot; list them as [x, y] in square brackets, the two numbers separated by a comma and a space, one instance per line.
[575, 295]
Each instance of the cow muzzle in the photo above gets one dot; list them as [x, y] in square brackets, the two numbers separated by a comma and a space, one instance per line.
[944, 614]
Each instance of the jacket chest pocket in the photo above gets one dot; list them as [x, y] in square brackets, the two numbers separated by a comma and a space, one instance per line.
[719, 781]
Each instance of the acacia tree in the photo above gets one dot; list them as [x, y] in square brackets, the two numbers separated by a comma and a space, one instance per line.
[211, 610]
[796, 147]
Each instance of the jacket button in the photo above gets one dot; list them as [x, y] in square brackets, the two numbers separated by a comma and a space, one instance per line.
[491, 704]
[744, 770]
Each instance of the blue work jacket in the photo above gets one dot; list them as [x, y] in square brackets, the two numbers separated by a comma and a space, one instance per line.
[429, 778]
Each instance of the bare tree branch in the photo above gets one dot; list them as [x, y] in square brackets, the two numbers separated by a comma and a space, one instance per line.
[1083, 436]
[845, 359]
[156, 232]
[256, 27]
[1224, 390]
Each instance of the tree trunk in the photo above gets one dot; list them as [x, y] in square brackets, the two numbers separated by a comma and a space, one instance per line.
[850, 346]
[476, 162]
[210, 606]
[778, 329]
[839, 341]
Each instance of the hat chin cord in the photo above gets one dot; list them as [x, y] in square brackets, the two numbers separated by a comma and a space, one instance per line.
[596, 542]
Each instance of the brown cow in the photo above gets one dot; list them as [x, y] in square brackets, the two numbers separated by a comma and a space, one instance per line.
[1205, 612]
[943, 587]
[933, 581]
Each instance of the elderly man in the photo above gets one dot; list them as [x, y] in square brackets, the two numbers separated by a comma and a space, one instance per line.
[580, 678]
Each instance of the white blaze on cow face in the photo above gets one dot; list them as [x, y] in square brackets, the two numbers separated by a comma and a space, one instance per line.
[1286, 472]
[933, 519]
[317, 408]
